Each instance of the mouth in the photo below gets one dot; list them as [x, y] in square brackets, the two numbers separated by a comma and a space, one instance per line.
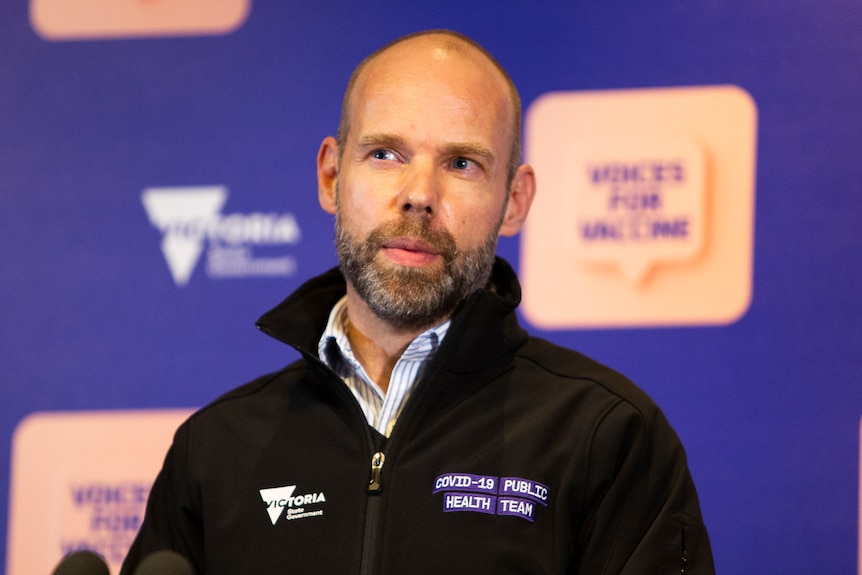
[411, 252]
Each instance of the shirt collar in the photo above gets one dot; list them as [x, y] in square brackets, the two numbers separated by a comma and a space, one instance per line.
[422, 348]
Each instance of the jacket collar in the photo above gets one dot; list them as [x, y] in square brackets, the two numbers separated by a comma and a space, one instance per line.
[483, 329]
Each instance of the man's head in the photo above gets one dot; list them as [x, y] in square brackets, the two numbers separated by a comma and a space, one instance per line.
[424, 176]
[449, 41]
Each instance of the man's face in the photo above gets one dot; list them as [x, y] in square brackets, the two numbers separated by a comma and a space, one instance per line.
[421, 184]
[412, 296]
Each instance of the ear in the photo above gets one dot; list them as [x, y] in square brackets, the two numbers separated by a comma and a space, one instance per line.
[520, 199]
[327, 174]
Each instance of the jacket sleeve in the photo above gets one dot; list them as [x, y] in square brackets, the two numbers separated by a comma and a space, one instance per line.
[171, 521]
[643, 515]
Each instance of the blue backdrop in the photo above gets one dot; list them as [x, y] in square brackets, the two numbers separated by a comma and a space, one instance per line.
[90, 317]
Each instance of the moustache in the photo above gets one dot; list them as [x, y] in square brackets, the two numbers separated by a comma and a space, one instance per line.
[413, 230]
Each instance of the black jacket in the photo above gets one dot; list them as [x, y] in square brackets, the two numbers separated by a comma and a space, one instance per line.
[512, 455]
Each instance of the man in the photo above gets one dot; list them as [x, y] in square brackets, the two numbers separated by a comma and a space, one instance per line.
[424, 431]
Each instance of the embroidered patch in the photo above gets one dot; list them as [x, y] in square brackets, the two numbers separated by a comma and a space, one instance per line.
[279, 499]
[513, 496]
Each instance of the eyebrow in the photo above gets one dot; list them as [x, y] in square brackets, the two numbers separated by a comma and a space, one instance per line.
[470, 149]
[383, 140]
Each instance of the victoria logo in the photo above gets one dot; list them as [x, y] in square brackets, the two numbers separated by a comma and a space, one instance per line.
[280, 501]
[190, 221]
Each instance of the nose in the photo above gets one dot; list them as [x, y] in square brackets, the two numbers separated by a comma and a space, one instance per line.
[420, 190]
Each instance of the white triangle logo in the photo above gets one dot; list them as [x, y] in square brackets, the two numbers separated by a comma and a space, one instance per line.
[184, 216]
[276, 500]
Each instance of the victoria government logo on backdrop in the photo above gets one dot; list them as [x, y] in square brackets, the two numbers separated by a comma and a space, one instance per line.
[233, 245]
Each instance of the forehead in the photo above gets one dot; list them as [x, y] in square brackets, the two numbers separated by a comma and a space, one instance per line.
[434, 79]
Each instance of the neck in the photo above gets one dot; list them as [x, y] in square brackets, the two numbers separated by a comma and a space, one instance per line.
[376, 343]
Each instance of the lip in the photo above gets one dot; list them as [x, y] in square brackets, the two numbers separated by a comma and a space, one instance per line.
[411, 252]
[411, 245]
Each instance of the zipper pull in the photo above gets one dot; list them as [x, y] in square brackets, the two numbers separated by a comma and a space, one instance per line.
[376, 485]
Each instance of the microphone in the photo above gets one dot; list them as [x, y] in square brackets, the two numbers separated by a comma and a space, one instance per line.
[82, 563]
[164, 563]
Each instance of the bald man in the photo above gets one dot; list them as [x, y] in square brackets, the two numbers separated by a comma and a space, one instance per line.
[423, 431]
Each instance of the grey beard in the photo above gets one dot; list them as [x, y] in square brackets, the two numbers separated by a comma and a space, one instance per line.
[407, 297]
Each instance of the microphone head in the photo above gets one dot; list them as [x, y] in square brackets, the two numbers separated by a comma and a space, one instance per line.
[164, 563]
[82, 563]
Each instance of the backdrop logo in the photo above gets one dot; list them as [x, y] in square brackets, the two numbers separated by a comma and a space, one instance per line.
[81, 19]
[80, 480]
[646, 206]
[190, 220]
[640, 203]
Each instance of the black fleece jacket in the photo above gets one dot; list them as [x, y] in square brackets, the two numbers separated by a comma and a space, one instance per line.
[512, 455]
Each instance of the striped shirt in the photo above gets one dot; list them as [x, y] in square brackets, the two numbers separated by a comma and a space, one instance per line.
[381, 409]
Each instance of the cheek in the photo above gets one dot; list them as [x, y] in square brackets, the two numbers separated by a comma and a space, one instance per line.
[361, 214]
[369, 195]
[353, 223]
[471, 225]
[356, 202]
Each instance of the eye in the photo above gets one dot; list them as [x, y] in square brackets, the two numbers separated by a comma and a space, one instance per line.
[461, 163]
[382, 154]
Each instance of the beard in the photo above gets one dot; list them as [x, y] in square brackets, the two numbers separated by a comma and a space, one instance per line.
[413, 297]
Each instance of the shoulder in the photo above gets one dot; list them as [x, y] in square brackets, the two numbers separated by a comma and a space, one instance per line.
[547, 364]
[260, 399]
[273, 383]
[601, 403]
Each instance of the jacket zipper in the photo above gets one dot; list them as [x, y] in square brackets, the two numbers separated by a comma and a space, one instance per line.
[373, 510]
[373, 517]
[375, 483]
